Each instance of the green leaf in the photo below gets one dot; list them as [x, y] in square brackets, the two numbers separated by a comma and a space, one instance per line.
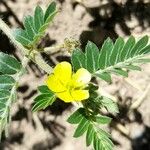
[44, 89]
[78, 59]
[42, 101]
[138, 46]
[94, 134]
[133, 67]
[113, 57]
[21, 36]
[8, 64]
[104, 76]
[105, 53]
[50, 10]
[104, 134]
[89, 135]
[29, 26]
[96, 142]
[126, 49]
[35, 26]
[4, 95]
[82, 127]
[102, 119]
[145, 50]
[5, 104]
[38, 18]
[101, 139]
[120, 72]
[76, 117]
[6, 82]
[91, 57]
[144, 60]
[109, 104]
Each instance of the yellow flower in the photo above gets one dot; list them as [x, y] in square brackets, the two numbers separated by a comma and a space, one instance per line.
[69, 86]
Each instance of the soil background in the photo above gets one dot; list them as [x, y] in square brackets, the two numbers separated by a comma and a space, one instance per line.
[95, 21]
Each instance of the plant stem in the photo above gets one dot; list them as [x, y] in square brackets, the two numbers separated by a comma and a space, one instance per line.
[4, 27]
[42, 64]
[37, 57]
[53, 49]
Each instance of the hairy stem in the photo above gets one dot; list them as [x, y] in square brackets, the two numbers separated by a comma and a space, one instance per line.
[37, 57]
[4, 27]
[42, 64]
[53, 49]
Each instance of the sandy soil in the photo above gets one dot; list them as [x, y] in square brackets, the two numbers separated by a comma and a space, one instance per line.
[98, 19]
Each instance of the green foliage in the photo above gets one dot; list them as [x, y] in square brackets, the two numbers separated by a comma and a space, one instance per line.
[43, 100]
[90, 125]
[116, 58]
[95, 103]
[109, 104]
[8, 66]
[112, 58]
[6, 82]
[102, 119]
[35, 26]
[76, 117]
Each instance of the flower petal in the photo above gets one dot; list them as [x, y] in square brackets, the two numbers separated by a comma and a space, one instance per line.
[81, 78]
[63, 71]
[54, 84]
[80, 95]
[65, 96]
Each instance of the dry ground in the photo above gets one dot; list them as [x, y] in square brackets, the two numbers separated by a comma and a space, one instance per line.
[48, 130]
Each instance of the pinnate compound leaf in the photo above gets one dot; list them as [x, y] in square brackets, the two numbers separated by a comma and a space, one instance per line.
[35, 26]
[94, 135]
[113, 57]
[8, 64]
[101, 139]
